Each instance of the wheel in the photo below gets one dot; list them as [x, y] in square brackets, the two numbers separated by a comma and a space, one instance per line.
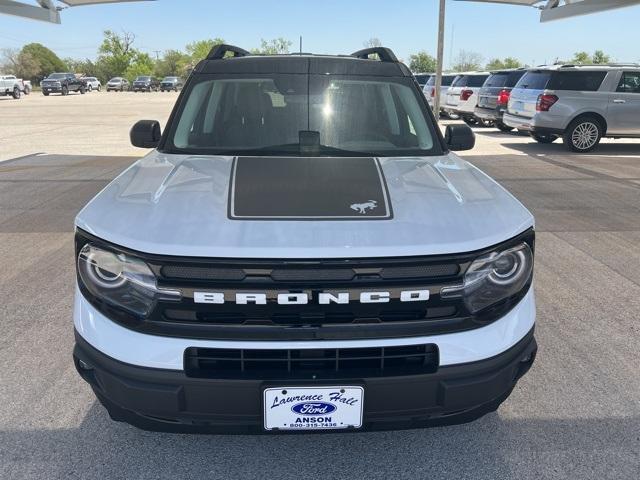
[99, 87]
[16, 93]
[544, 138]
[471, 121]
[583, 134]
[503, 128]
[27, 89]
[46, 94]
[89, 88]
[453, 116]
[65, 90]
[83, 90]
[122, 89]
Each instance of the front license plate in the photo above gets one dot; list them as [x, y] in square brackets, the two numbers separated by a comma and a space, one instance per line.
[313, 408]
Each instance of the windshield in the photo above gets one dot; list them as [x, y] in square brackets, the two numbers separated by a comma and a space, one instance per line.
[116, 79]
[290, 114]
[143, 79]
[55, 76]
[170, 79]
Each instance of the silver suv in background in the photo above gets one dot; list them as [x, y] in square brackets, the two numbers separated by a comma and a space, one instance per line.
[429, 90]
[462, 95]
[494, 97]
[92, 83]
[581, 104]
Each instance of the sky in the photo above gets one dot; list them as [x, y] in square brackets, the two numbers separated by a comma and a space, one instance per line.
[336, 26]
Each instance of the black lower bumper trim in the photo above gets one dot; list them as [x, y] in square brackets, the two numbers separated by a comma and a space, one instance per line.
[168, 400]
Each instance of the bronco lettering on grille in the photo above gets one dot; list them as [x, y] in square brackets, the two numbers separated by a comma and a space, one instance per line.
[291, 298]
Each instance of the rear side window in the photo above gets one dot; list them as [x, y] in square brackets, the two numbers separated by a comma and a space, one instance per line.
[460, 81]
[447, 80]
[497, 80]
[514, 77]
[534, 81]
[629, 82]
[477, 80]
[579, 81]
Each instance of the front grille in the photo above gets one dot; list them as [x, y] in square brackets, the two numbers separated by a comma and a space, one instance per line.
[311, 363]
[355, 319]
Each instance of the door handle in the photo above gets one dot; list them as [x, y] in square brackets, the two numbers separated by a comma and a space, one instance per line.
[619, 100]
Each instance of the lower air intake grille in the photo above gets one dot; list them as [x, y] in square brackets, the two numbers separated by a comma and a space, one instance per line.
[311, 363]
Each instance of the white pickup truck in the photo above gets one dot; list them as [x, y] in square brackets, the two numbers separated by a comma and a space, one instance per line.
[10, 85]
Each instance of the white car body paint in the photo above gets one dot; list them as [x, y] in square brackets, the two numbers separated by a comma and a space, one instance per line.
[154, 351]
[178, 205]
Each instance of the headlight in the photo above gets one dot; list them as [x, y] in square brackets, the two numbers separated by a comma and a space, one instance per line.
[494, 277]
[120, 280]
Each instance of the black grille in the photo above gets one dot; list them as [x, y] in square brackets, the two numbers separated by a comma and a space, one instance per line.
[311, 363]
[312, 321]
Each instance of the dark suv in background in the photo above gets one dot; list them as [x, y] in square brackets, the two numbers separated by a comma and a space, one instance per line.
[493, 97]
[63, 83]
[145, 84]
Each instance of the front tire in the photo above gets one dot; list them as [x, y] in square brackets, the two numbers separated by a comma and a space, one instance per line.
[486, 123]
[544, 138]
[16, 93]
[46, 94]
[83, 90]
[90, 88]
[65, 91]
[583, 134]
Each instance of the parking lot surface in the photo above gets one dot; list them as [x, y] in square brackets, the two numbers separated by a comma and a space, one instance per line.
[575, 415]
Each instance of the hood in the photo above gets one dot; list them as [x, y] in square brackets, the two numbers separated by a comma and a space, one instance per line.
[181, 205]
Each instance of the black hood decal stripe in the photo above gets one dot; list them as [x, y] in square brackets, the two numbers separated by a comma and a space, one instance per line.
[308, 188]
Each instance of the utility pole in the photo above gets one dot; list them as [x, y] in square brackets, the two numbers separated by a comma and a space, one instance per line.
[300, 43]
[438, 86]
[157, 52]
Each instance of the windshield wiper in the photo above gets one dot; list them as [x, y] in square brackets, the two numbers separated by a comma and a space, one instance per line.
[297, 149]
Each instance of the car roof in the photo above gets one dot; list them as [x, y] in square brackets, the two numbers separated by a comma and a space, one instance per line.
[358, 63]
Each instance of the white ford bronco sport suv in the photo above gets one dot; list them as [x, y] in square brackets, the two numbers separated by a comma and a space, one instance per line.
[302, 251]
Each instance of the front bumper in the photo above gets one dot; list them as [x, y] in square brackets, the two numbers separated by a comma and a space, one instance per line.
[141, 379]
[167, 400]
[52, 88]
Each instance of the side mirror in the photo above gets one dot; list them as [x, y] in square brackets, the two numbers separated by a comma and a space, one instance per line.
[459, 137]
[145, 134]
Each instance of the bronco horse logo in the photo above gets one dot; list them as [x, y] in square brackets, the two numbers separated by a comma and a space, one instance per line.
[362, 208]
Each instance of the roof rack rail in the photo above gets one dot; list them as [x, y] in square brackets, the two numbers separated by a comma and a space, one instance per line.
[623, 64]
[384, 54]
[218, 52]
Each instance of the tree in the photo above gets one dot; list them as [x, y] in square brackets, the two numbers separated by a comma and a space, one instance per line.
[116, 53]
[142, 64]
[85, 67]
[173, 62]
[199, 49]
[19, 63]
[600, 57]
[422, 62]
[497, 64]
[47, 62]
[274, 46]
[581, 58]
[467, 61]
[372, 42]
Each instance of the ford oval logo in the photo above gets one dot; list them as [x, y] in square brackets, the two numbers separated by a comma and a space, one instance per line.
[313, 408]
